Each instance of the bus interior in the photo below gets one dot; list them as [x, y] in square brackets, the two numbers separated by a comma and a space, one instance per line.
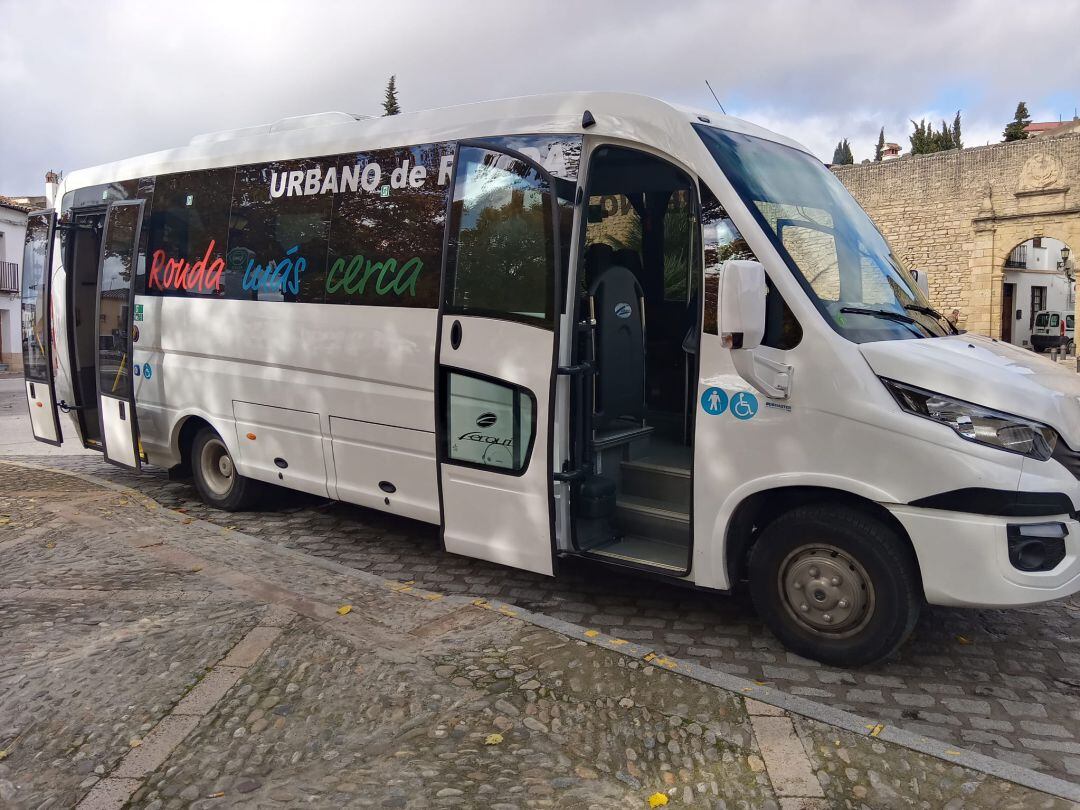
[81, 246]
[638, 302]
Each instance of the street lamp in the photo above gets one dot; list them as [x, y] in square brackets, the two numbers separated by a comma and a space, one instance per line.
[1063, 264]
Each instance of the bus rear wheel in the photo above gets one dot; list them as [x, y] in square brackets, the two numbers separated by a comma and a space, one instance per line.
[835, 584]
[216, 478]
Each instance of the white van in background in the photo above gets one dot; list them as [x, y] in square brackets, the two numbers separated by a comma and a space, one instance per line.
[1053, 330]
[585, 325]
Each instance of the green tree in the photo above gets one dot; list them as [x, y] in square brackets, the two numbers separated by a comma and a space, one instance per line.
[943, 138]
[1014, 130]
[390, 102]
[926, 140]
[842, 154]
[879, 149]
[920, 141]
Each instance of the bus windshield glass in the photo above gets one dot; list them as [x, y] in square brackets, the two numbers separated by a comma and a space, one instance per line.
[835, 251]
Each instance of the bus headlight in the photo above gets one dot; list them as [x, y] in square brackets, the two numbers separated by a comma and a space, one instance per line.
[977, 424]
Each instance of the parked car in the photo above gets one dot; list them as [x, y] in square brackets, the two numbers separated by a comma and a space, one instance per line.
[1053, 329]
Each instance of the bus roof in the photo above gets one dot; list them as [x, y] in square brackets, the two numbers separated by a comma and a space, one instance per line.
[624, 116]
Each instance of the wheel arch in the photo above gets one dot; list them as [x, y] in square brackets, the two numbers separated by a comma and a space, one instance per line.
[757, 510]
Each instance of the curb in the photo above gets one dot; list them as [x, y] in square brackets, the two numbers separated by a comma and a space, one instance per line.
[804, 707]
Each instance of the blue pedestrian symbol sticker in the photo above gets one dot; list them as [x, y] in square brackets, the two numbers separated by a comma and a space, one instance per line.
[714, 401]
[744, 405]
[146, 370]
[137, 369]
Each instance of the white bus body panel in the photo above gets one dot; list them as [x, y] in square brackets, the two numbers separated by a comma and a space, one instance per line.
[372, 366]
[42, 421]
[116, 430]
[345, 394]
[494, 516]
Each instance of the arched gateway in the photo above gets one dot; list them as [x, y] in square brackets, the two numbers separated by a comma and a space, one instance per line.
[959, 214]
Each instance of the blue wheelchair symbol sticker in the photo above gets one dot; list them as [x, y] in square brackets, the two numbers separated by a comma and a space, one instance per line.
[714, 401]
[744, 405]
[146, 370]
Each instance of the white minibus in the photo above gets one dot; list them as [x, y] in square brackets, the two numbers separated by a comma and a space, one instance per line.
[585, 325]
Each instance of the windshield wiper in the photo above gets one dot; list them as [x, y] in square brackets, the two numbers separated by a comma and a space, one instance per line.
[934, 314]
[887, 314]
[881, 313]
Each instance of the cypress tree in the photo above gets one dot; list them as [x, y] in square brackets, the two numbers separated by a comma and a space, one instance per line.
[879, 150]
[957, 142]
[390, 102]
[1014, 130]
[842, 155]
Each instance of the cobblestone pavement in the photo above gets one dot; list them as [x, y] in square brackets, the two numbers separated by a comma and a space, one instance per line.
[1005, 683]
[153, 662]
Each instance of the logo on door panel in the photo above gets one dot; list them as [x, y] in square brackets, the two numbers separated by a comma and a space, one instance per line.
[486, 420]
[623, 310]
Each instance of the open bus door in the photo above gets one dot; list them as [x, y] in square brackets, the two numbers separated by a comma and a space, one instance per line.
[498, 321]
[115, 304]
[37, 344]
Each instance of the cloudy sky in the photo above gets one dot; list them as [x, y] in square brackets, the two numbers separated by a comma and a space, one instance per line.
[83, 83]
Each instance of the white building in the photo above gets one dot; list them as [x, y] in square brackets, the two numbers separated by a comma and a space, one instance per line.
[13, 211]
[1035, 279]
[12, 233]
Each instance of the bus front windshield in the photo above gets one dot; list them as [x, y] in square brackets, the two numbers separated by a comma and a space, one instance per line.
[842, 261]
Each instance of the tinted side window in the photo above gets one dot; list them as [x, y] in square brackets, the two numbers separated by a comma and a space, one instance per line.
[723, 242]
[386, 241]
[489, 424]
[35, 338]
[117, 267]
[189, 229]
[501, 261]
[278, 238]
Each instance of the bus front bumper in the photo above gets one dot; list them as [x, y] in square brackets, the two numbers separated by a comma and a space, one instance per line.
[964, 558]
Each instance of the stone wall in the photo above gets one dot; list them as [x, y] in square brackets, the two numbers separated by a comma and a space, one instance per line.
[958, 214]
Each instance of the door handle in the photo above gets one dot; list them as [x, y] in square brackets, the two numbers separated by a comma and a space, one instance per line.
[123, 413]
[455, 335]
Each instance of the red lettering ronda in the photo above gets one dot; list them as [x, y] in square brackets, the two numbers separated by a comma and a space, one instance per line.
[203, 276]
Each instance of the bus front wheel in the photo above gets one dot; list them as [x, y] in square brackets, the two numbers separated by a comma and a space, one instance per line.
[216, 478]
[835, 584]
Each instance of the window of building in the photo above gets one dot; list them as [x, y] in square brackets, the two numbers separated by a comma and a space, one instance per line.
[1038, 302]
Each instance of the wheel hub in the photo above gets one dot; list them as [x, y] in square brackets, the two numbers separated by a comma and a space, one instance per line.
[217, 467]
[826, 590]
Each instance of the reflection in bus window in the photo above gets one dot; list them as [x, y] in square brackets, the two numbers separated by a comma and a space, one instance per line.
[277, 246]
[501, 260]
[489, 424]
[117, 264]
[189, 229]
[387, 249]
[34, 337]
[723, 242]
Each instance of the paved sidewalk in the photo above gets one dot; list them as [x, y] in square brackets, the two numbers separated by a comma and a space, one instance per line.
[150, 658]
[1005, 683]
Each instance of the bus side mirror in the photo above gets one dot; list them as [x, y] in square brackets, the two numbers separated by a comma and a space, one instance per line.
[743, 290]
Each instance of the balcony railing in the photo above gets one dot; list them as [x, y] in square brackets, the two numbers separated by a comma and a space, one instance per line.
[9, 277]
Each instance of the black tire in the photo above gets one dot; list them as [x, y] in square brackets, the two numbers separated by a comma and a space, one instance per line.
[805, 553]
[215, 475]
